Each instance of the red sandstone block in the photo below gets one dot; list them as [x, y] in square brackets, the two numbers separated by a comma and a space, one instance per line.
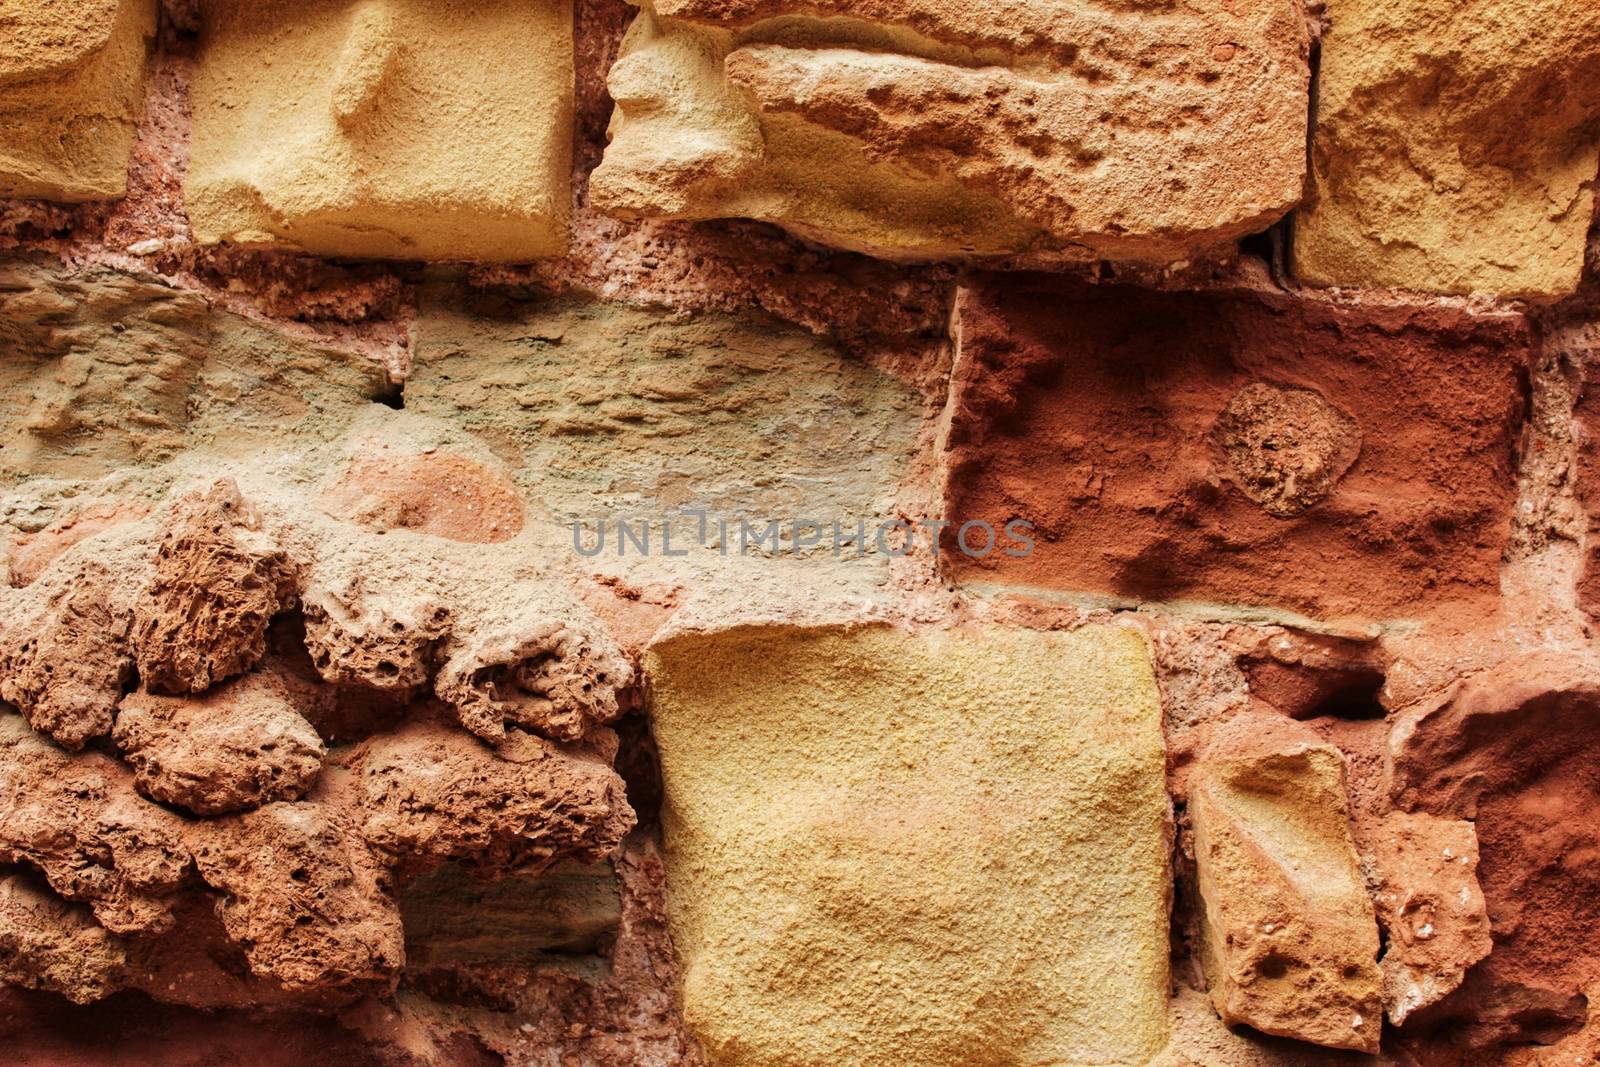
[1235, 448]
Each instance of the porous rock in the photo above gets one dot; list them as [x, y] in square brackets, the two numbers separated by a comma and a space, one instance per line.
[218, 582]
[1456, 146]
[47, 943]
[1290, 942]
[887, 848]
[943, 128]
[236, 747]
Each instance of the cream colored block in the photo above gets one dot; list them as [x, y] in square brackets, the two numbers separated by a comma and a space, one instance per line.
[71, 91]
[411, 129]
[941, 849]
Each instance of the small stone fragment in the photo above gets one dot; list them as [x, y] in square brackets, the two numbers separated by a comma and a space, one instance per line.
[1290, 940]
[1430, 906]
[310, 903]
[218, 583]
[237, 747]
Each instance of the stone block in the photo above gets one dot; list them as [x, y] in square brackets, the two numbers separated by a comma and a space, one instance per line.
[943, 128]
[1346, 462]
[408, 129]
[887, 848]
[71, 92]
[1456, 148]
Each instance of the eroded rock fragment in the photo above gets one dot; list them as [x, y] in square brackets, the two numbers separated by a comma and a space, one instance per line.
[78, 821]
[1478, 180]
[305, 896]
[218, 583]
[47, 943]
[1431, 908]
[236, 747]
[390, 128]
[431, 793]
[71, 92]
[887, 848]
[1290, 941]
[1347, 462]
[944, 128]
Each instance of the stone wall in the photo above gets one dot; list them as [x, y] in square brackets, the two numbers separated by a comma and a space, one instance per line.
[930, 533]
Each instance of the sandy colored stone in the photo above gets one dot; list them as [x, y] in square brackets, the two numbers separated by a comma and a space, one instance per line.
[1234, 451]
[886, 848]
[441, 494]
[218, 582]
[71, 93]
[1290, 940]
[107, 370]
[1457, 146]
[405, 129]
[236, 747]
[1430, 906]
[944, 128]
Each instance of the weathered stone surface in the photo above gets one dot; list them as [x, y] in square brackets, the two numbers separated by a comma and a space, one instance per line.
[389, 128]
[305, 896]
[609, 407]
[949, 127]
[1514, 750]
[1290, 940]
[1109, 417]
[71, 92]
[887, 848]
[218, 582]
[431, 793]
[105, 370]
[1456, 146]
[1431, 908]
[236, 747]
[47, 943]
[441, 494]
[66, 649]
[78, 821]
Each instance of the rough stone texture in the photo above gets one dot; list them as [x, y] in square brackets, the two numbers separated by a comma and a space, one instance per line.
[1456, 147]
[78, 822]
[50, 944]
[305, 896]
[237, 747]
[394, 128]
[218, 582]
[1514, 750]
[1431, 908]
[1291, 943]
[945, 128]
[887, 848]
[430, 794]
[1095, 414]
[71, 89]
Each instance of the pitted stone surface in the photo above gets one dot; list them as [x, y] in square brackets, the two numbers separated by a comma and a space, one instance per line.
[886, 848]
[403, 129]
[945, 128]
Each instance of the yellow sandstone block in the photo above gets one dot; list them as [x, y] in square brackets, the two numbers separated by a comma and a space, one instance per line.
[71, 91]
[411, 129]
[888, 849]
[1457, 144]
